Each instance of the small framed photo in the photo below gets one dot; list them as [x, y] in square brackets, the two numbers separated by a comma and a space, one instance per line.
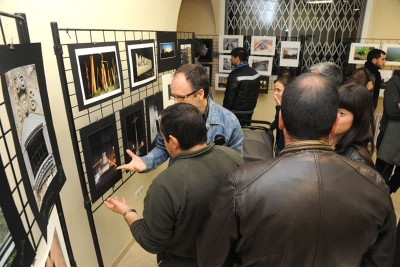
[141, 63]
[96, 69]
[225, 64]
[186, 51]
[229, 42]
[154, 106]
[263, 45]
[221, 80]
[290, 54]
[263, 88]
[385, 76]
[101, 154]
[133, 130]
[208, 68]
[359, 51]
[167, 50]
[168, 57]
[166, 88]
[392, 54]
[263, 65]
[206, 55]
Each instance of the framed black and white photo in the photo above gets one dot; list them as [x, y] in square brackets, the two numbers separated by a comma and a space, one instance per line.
[133, 130]
[221, 80]
[96, 69]
[166, 89]
[101, 153]
[28, 109]
[263, 65]
[229, 42]
[141, 63]
[263, 87]
[154, 106]
[263, 45]
[225, 64]
[208, 68]
[207, 53]
[168, 57]
[290, 54]
[186, 51]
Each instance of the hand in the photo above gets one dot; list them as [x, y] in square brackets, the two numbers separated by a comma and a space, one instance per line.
[116, 206]
[278, 99]
[369, 85]
[136, 164]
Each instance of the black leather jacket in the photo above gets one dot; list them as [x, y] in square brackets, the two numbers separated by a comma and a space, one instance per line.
[309, 207]
[242, 89]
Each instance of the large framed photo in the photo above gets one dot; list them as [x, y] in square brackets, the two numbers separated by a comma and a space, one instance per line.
[154, 106]
[141, 63]
[392, 54]
[221, 80]
[225, 64]
[290, 54]
[186, 51]
[133, 130]
[96, 69]
[229, 42]
[263, 65]
[263, 45]
[263, 87]
[101, 153]
[359, 51]
[208, 69]
[207, 54]
[168, 55]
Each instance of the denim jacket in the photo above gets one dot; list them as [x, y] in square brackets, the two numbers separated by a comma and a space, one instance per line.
[220, 122]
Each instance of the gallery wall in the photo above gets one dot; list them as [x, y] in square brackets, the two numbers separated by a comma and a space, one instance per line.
[384, 19]
[197, 16]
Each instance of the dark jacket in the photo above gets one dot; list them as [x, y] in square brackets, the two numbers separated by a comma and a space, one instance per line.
[309, 207]
[391, 109]
[357, 153]
[280, 140]
[242, 89]
[177, 201]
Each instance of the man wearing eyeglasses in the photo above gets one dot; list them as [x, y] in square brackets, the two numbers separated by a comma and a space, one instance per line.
[190, 84]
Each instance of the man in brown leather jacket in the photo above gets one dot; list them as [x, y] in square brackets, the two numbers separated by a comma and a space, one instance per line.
[308, 207]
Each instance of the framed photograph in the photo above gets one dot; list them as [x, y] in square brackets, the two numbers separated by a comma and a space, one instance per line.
[186, 51]
[101, 153]
[166, 83]
[229, 42]
[290, 54]
[263, 88]
[385, 76]
[208, 68]
[15, 247]
[168, 58]
[221, 80]
[141, 63]
[225, 64]
[28, 110]
[392, 54]
[133, 130]
[207, 54]
[263, 45]
[263, 65]
[97, 73]
[359, 51]
[154, 106]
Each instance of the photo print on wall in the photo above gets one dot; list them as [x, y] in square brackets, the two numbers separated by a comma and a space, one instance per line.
[141, 63]
[154, 106]
[263, 45]
[101, 153]
[263, 65]
[221, 80]
[166, 89]
[290, 54]
[28, 109]
[186, 51]
[359, 51]
[208, 69]
[263, 88]
[96, 69]
[167, 56]
[229, 42]
[206, 55]
[392, 54]
[225, 64]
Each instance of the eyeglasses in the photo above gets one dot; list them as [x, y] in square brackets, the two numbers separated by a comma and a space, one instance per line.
[182, 98]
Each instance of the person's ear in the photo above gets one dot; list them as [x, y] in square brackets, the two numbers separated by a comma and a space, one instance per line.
[200, 93]
[335, 124]
[374, 60]
[281, 125]
[174, 142]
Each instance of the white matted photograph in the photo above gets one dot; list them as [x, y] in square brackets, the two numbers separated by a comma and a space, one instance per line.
[359, 51]
[263, 45]
[263, 65]
[221, 80]
[290, 53]
[229, 42]
[225, 64]
[166, 88]
[392, 54]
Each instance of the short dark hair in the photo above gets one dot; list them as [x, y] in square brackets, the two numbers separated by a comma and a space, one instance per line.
[185, 122]
[241, 53]
[198, 47]
[309, 107]
[196, 76]
[330, 70]
[375, 53]
[356, 99]
[285, 80]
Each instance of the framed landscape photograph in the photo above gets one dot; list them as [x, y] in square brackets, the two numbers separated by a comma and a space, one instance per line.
[263, 88]
[168, 57]
[133, 130]
[208, 68]
[263, 45]
[101, 154]
[207, 54]
[225, 64]
[290, 54]
[96, 69]
[221, 80]
[229, 42]
[141, 63]
[359, 51]
[263, 65]
[186, 51]
[392, 54]
[154, 106]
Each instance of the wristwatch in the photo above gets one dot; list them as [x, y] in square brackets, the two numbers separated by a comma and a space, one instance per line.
[128, 211]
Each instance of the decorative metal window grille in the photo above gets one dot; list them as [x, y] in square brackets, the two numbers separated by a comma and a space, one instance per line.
[37, 151]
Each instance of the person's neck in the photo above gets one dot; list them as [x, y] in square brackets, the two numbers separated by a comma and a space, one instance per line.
[334, 140]
[203, 105]
[372, 67]
[196, 147]
[289, 139]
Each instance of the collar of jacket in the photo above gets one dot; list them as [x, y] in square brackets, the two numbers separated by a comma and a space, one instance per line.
[306, 145]
[192, 154]
[241, 65]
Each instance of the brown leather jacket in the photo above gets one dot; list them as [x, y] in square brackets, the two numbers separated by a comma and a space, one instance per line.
[309, 207]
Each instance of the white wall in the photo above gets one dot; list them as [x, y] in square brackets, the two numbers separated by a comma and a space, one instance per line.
[112, 231]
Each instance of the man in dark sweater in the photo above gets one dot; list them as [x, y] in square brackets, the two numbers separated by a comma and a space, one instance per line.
[177, 201]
